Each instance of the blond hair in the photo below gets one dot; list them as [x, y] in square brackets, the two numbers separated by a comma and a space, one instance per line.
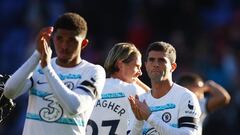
[120, 51]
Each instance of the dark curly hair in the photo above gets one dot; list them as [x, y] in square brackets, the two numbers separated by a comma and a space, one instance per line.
[72, 21]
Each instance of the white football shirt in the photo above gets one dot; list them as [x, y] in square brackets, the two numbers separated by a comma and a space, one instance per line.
[178, 108]
[203, 105]
[45, 115]
[112, 113]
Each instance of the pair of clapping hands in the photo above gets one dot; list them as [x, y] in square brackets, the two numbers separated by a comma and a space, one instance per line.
[43, 45]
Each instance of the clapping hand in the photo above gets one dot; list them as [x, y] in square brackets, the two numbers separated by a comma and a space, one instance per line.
[140, 109]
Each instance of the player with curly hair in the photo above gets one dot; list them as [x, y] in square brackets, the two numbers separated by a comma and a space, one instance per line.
[62, 90]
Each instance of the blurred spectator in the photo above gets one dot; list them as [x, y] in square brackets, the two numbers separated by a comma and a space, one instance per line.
[216, 98]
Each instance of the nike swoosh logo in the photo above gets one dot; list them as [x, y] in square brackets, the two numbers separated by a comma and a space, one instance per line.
[38, 82]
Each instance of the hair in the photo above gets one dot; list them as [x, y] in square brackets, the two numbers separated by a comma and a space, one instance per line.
[167, 48]
[188, 79]
[72, 21]
[120, 51]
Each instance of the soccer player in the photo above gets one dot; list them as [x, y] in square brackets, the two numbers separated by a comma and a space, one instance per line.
[168, 109]
[217, 98]
[62, 90]
[112, 113]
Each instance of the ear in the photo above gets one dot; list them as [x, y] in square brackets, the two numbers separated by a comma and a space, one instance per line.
[145, 63]
[84, 43]
[119, 64]
[174, 66]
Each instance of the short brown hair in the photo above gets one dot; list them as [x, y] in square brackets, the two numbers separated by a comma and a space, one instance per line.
[188, 79]
[167, 48]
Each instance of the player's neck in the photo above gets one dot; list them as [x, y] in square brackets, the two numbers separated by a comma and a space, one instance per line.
[68, 63]
[120, 77]
[161, 89]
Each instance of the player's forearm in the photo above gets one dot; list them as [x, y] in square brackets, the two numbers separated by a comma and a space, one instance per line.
[166, 129]
[136, 128]
[142, 85]
[69, 100]
[19, 81]
[219, 96]
[220, 92]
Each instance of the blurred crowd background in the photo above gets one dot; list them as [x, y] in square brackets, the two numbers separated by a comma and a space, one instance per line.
[206, 34]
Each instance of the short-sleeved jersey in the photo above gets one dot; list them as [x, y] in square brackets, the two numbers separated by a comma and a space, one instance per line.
[178, 108]
[112, 113]
[45, 116]
[203, 105]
